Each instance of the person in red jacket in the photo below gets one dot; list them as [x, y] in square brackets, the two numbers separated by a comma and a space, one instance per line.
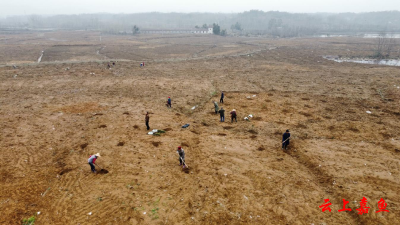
[92, 161]
[233, 116]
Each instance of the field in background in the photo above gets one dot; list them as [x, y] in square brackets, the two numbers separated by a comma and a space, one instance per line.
[56, 113]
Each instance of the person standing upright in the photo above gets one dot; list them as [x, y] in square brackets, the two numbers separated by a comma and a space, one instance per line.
[285, 139]
[169, 104]
[147, 119]
[222, 114]
[222, 97]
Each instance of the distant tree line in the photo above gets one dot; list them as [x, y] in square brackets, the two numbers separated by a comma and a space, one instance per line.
[273, 23]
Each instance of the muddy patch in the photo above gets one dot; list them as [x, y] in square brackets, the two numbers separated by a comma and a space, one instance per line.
[251, 131]
[195, 132]
[204, 124]
[186, 169]
[184, 144]
[65, 171]
[121, 143]
[156, 143]
[84, 145]
[306, 114]
[102, 171]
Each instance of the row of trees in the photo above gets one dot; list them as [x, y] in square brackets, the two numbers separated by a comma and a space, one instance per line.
[251, 22]
[385, 45]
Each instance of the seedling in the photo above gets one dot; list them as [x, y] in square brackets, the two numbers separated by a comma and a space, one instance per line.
[154, 213]
[29, 221]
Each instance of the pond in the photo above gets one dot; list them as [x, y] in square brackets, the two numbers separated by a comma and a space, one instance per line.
[386, 62]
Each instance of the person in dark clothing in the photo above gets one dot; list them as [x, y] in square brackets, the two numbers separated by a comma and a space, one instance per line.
[222, 97]
[147, 119]
[169, 102]
[92, 161]
[181, 156]
[222, 114]
[233, 115]
[285, 139]
[108, 66]
[113, 63]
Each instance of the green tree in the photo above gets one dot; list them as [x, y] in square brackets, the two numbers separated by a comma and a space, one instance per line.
[205, 26]
[216, 29]
[135, 30]
[197, 27]
[237, 26]
[223, 32]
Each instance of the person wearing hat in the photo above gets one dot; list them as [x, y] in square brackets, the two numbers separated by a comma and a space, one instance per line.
[285, 139]
[169, 102]
[216, 107]
[222, 114]
[233, 115]
[181, 156]
[92, 161]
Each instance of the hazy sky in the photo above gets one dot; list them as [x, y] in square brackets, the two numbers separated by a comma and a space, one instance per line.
[21, 7]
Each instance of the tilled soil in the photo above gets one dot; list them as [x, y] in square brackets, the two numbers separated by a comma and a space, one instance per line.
[53, 118]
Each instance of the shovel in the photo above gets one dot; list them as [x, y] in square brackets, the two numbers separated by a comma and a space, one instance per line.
[186, 166]
[286, 140]
[98, 165]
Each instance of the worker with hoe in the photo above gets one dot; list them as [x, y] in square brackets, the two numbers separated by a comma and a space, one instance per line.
[233, 115]
[222, 97]
[92, 161]
[285, 139]
[222, 114]
[181, 157]
[169, 102]
[216, 107]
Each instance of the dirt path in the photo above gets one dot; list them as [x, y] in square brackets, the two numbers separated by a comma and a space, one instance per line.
[40, 57]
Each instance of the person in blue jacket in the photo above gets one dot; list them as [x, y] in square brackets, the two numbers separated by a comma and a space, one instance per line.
[222, 97]
[285, 139]
[169, 102]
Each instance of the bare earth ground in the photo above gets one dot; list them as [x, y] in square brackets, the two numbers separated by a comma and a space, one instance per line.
[55, 114]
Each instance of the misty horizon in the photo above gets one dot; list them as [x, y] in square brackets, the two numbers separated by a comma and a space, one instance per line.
[73, 7]
[121, 13]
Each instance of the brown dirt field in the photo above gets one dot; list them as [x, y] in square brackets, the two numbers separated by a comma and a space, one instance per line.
[53, 118]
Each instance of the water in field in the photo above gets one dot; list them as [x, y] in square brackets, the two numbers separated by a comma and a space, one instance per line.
[394, 35]
[386, 62]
